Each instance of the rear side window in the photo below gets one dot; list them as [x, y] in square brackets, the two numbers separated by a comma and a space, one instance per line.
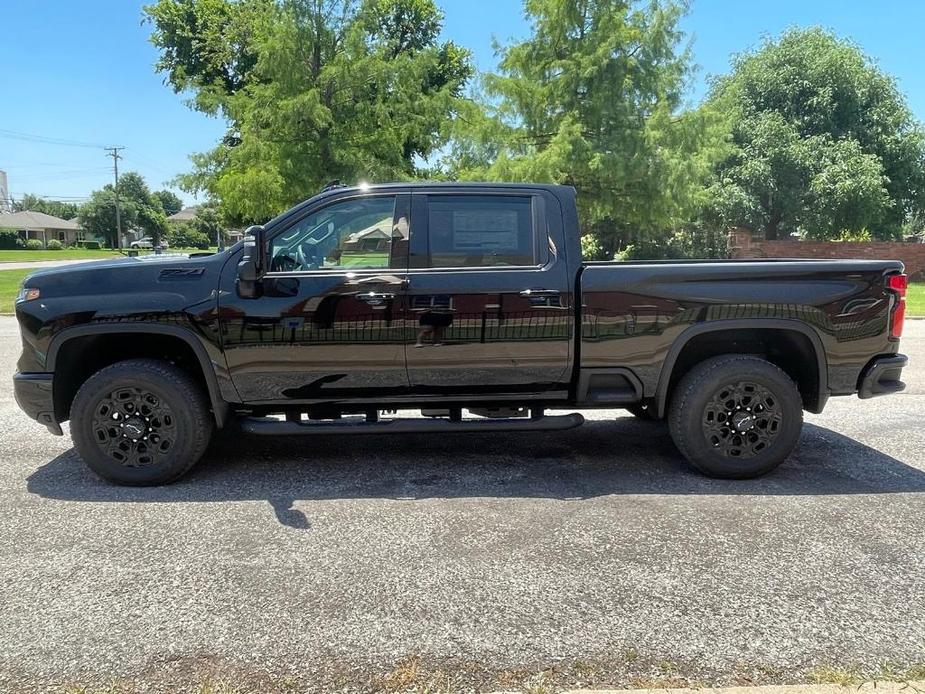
[480, 230]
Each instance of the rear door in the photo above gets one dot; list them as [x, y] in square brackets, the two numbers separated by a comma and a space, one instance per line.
[489, 294]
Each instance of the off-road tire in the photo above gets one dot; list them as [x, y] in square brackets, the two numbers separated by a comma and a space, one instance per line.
[699, 410]
[176, 403]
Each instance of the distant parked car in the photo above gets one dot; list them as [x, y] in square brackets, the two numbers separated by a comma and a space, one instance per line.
[148, 242]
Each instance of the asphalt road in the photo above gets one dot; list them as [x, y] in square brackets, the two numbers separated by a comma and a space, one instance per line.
[594, 550]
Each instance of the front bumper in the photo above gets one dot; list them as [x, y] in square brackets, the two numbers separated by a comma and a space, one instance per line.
[35, 396]
[881, 376]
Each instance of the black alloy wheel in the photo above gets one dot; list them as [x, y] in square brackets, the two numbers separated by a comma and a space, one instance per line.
[141, 422]
[735, 416]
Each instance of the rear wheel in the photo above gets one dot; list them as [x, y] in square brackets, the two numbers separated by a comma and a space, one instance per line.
[736, 416]
[140, 422]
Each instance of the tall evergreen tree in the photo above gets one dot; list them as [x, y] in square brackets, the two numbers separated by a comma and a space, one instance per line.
[593, 99]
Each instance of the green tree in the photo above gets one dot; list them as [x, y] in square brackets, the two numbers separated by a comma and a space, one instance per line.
[593, 99]
[322, 89]
[207, 222]
[138, 207]
[64, 210]
[170, 201]
[98, 215]
[184, 235]
[208, 47]
[823, 142]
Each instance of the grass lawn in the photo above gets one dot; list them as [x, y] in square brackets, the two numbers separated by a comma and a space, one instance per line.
[9, 286]
[915, 299]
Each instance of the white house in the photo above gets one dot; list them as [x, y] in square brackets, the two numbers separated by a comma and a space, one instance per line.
[44, 227]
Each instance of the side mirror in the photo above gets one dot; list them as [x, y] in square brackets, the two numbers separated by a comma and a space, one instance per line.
[253, 264]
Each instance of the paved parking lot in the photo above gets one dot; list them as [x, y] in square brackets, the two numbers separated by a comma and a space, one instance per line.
[592, 550]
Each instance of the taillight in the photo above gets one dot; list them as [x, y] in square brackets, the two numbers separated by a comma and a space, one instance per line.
[898, 284]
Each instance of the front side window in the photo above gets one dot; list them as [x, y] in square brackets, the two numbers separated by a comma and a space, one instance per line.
[356, 233]
[480, 230]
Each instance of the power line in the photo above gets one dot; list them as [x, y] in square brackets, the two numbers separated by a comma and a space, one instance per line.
[44, 139]
[51, 197]
[149, 161]
[65, 175]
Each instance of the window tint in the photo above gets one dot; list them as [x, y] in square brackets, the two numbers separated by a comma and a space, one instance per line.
[355, 233]
[480, 230]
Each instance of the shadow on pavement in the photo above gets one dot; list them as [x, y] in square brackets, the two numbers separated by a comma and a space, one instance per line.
[624, 456]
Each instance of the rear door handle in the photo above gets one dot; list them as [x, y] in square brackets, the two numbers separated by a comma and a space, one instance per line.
[540, 292]
[376, 298]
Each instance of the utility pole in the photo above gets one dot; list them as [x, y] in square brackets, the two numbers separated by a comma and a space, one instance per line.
[114, 153]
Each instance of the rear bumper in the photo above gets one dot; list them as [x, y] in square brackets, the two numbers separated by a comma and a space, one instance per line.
[35, 396]
[882, 375]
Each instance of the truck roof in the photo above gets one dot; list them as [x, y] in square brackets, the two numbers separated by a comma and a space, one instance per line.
[336, 190]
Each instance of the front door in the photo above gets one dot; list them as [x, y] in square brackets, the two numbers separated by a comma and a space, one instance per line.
[327, 326]
[489, 295]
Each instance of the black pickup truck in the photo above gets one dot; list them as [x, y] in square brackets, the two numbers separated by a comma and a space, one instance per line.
[469, 303]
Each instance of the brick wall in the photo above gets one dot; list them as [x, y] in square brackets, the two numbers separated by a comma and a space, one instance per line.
[742, 245]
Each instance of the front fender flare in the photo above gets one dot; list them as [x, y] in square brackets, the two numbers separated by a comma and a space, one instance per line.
[219, 406]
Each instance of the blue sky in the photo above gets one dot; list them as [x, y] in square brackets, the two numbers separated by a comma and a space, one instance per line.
[83, 72]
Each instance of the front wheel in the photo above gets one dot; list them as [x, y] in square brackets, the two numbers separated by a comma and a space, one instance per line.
[140, 422]
[736, 416]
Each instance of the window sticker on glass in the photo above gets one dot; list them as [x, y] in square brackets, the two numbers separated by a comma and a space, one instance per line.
[480, 231]
[484, 229]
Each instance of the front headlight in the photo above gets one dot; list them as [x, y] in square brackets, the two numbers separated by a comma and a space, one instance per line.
[27, 294]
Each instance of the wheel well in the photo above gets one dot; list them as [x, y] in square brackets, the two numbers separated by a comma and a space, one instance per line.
[790, 350]
[81, 357]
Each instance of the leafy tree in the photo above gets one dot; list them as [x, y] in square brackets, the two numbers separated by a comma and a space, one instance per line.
[914, 226]
[98, 215]
[207, 223]
[170, 201]
[592, 99]
[184, 235]
[138, 207]
[823, 142]
[64, 210]
[317, 90]
[208, 47]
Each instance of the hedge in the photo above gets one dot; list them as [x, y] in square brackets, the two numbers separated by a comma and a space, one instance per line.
[10, 240]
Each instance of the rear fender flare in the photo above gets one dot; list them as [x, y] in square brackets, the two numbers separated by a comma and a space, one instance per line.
[780, 324]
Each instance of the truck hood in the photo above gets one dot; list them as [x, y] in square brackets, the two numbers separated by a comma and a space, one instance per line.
[118, 263]
[148, 283]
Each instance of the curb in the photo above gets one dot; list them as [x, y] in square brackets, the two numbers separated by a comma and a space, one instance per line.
[879, 686]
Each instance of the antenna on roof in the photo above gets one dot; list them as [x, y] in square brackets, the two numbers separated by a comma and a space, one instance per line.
[332, 185]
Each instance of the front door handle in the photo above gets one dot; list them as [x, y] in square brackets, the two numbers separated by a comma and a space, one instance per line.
[540, 292]
[387, 280]
[376, 298]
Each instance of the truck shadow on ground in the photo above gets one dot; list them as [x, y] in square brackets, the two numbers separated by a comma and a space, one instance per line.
[622, 456]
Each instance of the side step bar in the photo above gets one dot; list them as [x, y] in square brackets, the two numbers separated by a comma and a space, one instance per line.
[266, 426]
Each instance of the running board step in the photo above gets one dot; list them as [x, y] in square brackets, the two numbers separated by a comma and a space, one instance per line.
[266, 426]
